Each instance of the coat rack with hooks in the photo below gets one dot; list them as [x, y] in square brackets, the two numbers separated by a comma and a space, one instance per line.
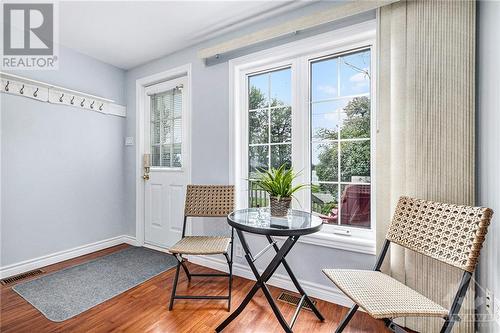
[44, 92]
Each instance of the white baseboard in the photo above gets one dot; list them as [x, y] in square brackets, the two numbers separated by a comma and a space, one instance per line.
[157, 248]
[28, 265]
[327, 293]
[130, 240]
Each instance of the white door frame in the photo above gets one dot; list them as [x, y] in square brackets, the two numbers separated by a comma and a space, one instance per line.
[140, 88]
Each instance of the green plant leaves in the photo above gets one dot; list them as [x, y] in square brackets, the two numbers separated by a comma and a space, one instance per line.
[278, 182]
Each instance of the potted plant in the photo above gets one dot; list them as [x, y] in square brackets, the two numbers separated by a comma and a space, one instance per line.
[278, 184]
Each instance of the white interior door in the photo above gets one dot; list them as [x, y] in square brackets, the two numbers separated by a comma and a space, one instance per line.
[166, 145]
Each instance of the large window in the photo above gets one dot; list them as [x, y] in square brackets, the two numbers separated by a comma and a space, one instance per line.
[309, 105]
[339, 133]
[269, 126]
[340, 138]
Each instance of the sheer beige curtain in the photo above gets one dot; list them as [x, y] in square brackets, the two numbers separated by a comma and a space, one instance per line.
[425, 138]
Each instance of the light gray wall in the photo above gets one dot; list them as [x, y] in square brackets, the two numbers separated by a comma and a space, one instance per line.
[210, 139]
[488, 147]
[62, 174]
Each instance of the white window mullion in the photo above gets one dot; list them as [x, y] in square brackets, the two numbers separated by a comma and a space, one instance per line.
[300, 130]
[339, 149]
[269, 123]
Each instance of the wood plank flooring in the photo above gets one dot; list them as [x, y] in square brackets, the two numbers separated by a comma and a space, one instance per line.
[144, 309]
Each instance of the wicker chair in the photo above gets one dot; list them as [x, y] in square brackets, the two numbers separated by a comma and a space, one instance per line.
[449, 233]
[205, 201]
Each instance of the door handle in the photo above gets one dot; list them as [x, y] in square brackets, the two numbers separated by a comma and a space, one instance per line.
[147, 167]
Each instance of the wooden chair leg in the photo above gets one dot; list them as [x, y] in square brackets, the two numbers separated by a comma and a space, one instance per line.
[347, 318]
[172, 298]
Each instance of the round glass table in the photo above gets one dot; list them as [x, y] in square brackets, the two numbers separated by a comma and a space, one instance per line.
[259, 221]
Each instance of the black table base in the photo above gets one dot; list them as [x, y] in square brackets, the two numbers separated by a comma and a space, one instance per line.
[278, 259]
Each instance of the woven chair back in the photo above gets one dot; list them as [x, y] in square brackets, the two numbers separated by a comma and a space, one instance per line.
[453, 234]
[209, 200]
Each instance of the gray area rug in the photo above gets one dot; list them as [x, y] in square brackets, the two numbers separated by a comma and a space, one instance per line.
[69, 292]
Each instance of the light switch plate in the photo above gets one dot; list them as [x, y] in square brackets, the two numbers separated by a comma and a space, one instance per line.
[129, 141]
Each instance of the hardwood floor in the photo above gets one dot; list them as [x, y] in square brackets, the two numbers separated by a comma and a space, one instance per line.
[144, 309]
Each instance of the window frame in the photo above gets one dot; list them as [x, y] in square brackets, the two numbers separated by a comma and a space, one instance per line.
[364, 233]
[339, 41]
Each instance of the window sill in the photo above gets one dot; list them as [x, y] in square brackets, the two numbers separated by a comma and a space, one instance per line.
[346, 243]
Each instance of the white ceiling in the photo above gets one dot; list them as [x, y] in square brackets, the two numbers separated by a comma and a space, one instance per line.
[130, 33]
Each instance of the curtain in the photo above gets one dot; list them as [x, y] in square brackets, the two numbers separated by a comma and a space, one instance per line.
[425, 131]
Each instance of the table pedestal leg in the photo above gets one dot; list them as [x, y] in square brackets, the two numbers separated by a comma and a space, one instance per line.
[264, 277]
[296, 282]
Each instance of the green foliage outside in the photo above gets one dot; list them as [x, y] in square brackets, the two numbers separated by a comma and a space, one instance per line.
[280, 131]
[355, 156]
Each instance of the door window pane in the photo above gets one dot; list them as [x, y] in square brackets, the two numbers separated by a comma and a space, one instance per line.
[166, 155]
[176, 156]
[166, 128]
[155, 132]
[155, 155]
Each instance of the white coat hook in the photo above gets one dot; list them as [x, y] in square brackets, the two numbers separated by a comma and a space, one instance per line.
[48, 93]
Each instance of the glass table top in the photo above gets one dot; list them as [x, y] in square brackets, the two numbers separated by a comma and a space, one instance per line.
[260, 221]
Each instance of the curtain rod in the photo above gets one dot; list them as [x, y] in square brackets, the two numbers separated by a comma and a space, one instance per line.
[307, 22]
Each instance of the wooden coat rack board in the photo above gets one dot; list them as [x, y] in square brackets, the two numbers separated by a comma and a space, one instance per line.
[44, 92]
